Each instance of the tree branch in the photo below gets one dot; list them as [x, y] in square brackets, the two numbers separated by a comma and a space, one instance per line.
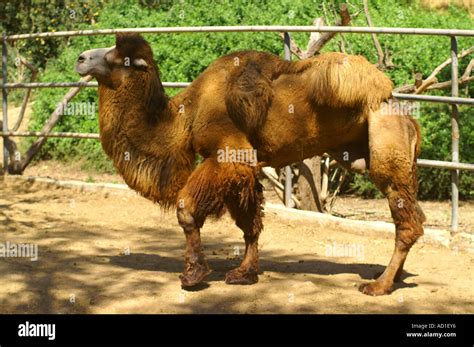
[294, 47]
[55, 117]
[468, 70]
[325, 37]
[432, 79]
[431, 82]
[378, 47]
[317, 40]
[34, 72]
[447, 84]
[314, 36]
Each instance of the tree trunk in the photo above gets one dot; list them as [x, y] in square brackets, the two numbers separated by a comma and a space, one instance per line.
[309, 184]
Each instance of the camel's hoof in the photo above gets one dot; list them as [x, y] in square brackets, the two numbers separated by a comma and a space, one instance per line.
[194, 274]
[239, 276]
[374, 289]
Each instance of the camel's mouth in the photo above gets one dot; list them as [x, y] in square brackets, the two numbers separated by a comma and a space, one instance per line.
[80, 71]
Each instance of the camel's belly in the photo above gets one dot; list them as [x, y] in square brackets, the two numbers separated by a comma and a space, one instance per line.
[291, 137]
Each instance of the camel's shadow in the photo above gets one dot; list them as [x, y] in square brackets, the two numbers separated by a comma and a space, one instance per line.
[154, 262]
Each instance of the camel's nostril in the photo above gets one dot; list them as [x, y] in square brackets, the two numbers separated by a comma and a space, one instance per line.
[81, 59]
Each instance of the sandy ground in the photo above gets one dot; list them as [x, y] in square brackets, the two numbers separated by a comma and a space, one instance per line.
[111, 253]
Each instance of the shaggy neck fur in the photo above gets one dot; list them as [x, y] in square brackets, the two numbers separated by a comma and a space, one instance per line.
[142, 133]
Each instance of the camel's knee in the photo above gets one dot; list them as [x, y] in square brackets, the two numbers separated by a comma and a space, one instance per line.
[251, 224]
[406, 213]
[186, 216]
[404, 206]
[407, 218]
[185, 219]
[407, 234]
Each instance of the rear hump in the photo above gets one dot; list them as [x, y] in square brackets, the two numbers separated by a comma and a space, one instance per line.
[341, 80]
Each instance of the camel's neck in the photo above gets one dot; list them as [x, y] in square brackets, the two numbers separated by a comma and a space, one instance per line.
[144, 135]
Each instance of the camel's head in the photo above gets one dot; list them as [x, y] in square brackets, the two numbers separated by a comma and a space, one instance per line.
[111, 66]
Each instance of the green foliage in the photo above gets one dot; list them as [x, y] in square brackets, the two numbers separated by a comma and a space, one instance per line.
[182, 57]
[29, 16]
[436, 129]
[361, 185]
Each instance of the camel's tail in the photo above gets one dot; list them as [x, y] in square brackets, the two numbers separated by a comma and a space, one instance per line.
[418, 136]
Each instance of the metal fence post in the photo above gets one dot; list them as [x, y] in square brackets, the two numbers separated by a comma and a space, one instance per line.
[288, 175]
[4, 101]
[455, 136]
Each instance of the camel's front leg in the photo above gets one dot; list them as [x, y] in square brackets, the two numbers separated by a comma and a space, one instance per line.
[247, 272]
[195, 264]
[211, 187]
[247, 212]
[200, 197]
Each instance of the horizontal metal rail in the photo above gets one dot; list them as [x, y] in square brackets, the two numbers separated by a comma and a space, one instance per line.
[401, 96]
[39, 85]
[250, 28]
[435, 98]
[444, 165]
[76, 84]
[56, 134]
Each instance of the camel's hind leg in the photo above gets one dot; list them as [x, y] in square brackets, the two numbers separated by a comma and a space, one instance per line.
[393, 146]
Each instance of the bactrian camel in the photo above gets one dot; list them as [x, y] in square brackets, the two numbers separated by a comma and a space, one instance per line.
[252, 101]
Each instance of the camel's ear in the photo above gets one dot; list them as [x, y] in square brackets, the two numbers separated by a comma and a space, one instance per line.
[140, 62]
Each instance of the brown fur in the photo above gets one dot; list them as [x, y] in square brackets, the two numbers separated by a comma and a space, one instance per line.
[156, 168]
[250, 94]
[342, 80]
[249, 98]
[287, 111]
[156, 178]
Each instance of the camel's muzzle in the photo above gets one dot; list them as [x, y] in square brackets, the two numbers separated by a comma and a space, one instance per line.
[92, 62]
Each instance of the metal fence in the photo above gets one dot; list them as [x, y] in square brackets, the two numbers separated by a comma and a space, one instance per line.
[454, 100]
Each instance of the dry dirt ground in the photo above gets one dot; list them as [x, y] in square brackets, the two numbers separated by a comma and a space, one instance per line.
[118, 253]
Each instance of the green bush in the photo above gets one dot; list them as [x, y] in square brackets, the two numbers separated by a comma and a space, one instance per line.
[436, 129]
[182, 57]
[27, 16]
